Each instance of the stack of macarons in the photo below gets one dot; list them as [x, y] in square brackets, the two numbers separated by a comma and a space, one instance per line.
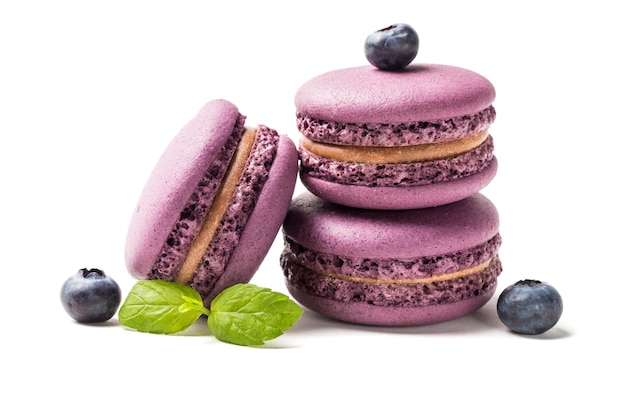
[393, 230]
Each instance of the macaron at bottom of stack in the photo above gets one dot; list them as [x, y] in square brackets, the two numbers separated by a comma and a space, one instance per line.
[391, 268]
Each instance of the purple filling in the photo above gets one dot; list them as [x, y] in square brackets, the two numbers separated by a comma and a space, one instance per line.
[387, 294]
[240, 207]
[192, 216]
[390, 134]
[392, 175]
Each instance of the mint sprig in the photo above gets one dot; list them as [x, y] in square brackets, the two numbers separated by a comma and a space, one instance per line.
[161, 307]
[243, 314]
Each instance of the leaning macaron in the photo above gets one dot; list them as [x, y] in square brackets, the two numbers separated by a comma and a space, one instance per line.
[412, 138]
[388, 267]
[213, 204]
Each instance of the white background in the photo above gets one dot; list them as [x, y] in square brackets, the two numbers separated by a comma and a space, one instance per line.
[91, 93]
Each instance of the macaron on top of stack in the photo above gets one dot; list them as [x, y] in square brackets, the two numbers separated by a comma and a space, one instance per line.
[214, 202]
[413, 138]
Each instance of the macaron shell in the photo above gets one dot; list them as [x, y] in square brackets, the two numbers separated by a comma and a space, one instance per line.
[401, 197]
[380, 234]
[359, 274]
[173, 179]
[265, 221]
[363, 313]
[421, 92]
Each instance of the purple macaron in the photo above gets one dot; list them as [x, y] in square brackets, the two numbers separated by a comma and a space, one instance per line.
[394, 140]
[388, 267]
[214, 202]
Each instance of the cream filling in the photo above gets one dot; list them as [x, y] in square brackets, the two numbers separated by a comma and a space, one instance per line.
[409, 281]
[218, 207]
[394, 154]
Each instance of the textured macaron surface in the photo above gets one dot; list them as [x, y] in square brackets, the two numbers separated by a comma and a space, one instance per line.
[421, 104]
[240, 208]
[388, 293]
[391, 259]
[200, 203]
[379, 234]
[394, 134]
[182, 185]
[398, 175]
[388, 270]
[264, 221]
[394, 140]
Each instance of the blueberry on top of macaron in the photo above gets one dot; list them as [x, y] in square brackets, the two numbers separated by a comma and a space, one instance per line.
[392, 48]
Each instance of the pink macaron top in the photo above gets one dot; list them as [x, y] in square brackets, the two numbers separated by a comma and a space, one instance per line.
[173, 179]
[423, 92]
[350, 232]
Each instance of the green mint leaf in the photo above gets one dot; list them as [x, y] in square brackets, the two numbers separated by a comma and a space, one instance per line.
[248, 315]
[155, 306]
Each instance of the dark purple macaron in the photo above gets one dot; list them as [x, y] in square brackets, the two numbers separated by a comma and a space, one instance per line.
[391, 268]
[214, 202]
[404, 139]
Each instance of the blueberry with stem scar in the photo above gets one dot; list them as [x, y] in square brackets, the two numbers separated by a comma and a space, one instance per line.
[90, 296]
[530, 307]
[392, 48]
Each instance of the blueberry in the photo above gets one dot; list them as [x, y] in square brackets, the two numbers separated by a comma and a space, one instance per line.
[90, 296]
[392, 48]
[530, 307]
